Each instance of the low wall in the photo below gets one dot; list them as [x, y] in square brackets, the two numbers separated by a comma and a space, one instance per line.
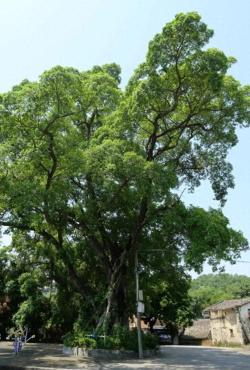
[107, 353]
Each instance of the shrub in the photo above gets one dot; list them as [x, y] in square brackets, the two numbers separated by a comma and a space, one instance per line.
[150, 341]
[130, 341]
[68, 340]
[85, 342]
[78, 340]
[121, 338]
[109, 342]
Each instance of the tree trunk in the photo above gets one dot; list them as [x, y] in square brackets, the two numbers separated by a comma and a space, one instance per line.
[103, 321]
[121, 303]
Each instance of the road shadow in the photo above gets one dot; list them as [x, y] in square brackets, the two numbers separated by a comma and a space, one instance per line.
[40, 354]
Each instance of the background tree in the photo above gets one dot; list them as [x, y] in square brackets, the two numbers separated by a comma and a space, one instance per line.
[91, 173]
[210, 289]
[36, 294]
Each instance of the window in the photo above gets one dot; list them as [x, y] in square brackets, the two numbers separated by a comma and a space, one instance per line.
[248, 313]
[231, 333]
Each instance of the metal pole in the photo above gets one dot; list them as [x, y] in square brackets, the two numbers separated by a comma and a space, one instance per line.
[138, 315]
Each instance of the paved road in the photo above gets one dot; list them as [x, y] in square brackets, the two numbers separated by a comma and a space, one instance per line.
[193, 358]
[50, 357]
[190, 358]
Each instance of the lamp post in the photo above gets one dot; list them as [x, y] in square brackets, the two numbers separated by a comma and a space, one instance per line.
[138, 313]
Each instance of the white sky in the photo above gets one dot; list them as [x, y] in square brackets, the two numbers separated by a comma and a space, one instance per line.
[38, 34]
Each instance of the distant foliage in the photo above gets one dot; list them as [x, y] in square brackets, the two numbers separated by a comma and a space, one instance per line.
[210, 289]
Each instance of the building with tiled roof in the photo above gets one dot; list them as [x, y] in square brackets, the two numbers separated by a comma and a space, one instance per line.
[228, 304]
[229, 321]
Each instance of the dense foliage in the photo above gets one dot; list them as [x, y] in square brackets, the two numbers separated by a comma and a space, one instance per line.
[119, 338]
[90, 175]
[30, 296]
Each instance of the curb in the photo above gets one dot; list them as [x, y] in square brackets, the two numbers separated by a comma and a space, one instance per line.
[107, 354]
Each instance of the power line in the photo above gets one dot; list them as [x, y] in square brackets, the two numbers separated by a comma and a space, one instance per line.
[243, 261]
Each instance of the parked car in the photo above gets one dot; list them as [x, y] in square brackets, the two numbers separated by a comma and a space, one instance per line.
[163, 335]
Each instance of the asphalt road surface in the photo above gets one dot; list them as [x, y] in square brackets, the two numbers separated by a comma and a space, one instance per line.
[189, 358]
[192, 358]
[48, 356]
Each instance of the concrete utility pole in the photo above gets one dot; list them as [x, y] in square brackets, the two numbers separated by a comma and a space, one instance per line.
[139, 301]
[138, 314]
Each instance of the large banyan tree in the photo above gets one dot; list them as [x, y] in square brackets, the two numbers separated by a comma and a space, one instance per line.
[92, 173]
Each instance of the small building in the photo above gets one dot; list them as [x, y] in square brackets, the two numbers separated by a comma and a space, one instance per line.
[230, 321]
[197, 334]
[145, 324]
[133, 324]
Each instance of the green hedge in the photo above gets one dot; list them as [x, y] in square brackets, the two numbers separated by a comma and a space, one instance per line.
[78, 340]
[121, 338]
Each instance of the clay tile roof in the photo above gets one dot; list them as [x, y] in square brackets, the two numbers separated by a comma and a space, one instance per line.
[228, 304]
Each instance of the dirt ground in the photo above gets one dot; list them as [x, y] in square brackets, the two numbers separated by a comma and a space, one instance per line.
[40, 355]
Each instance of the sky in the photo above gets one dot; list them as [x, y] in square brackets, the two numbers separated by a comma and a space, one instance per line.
[36, 35]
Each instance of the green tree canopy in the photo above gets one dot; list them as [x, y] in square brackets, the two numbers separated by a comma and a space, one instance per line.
[91, 173]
